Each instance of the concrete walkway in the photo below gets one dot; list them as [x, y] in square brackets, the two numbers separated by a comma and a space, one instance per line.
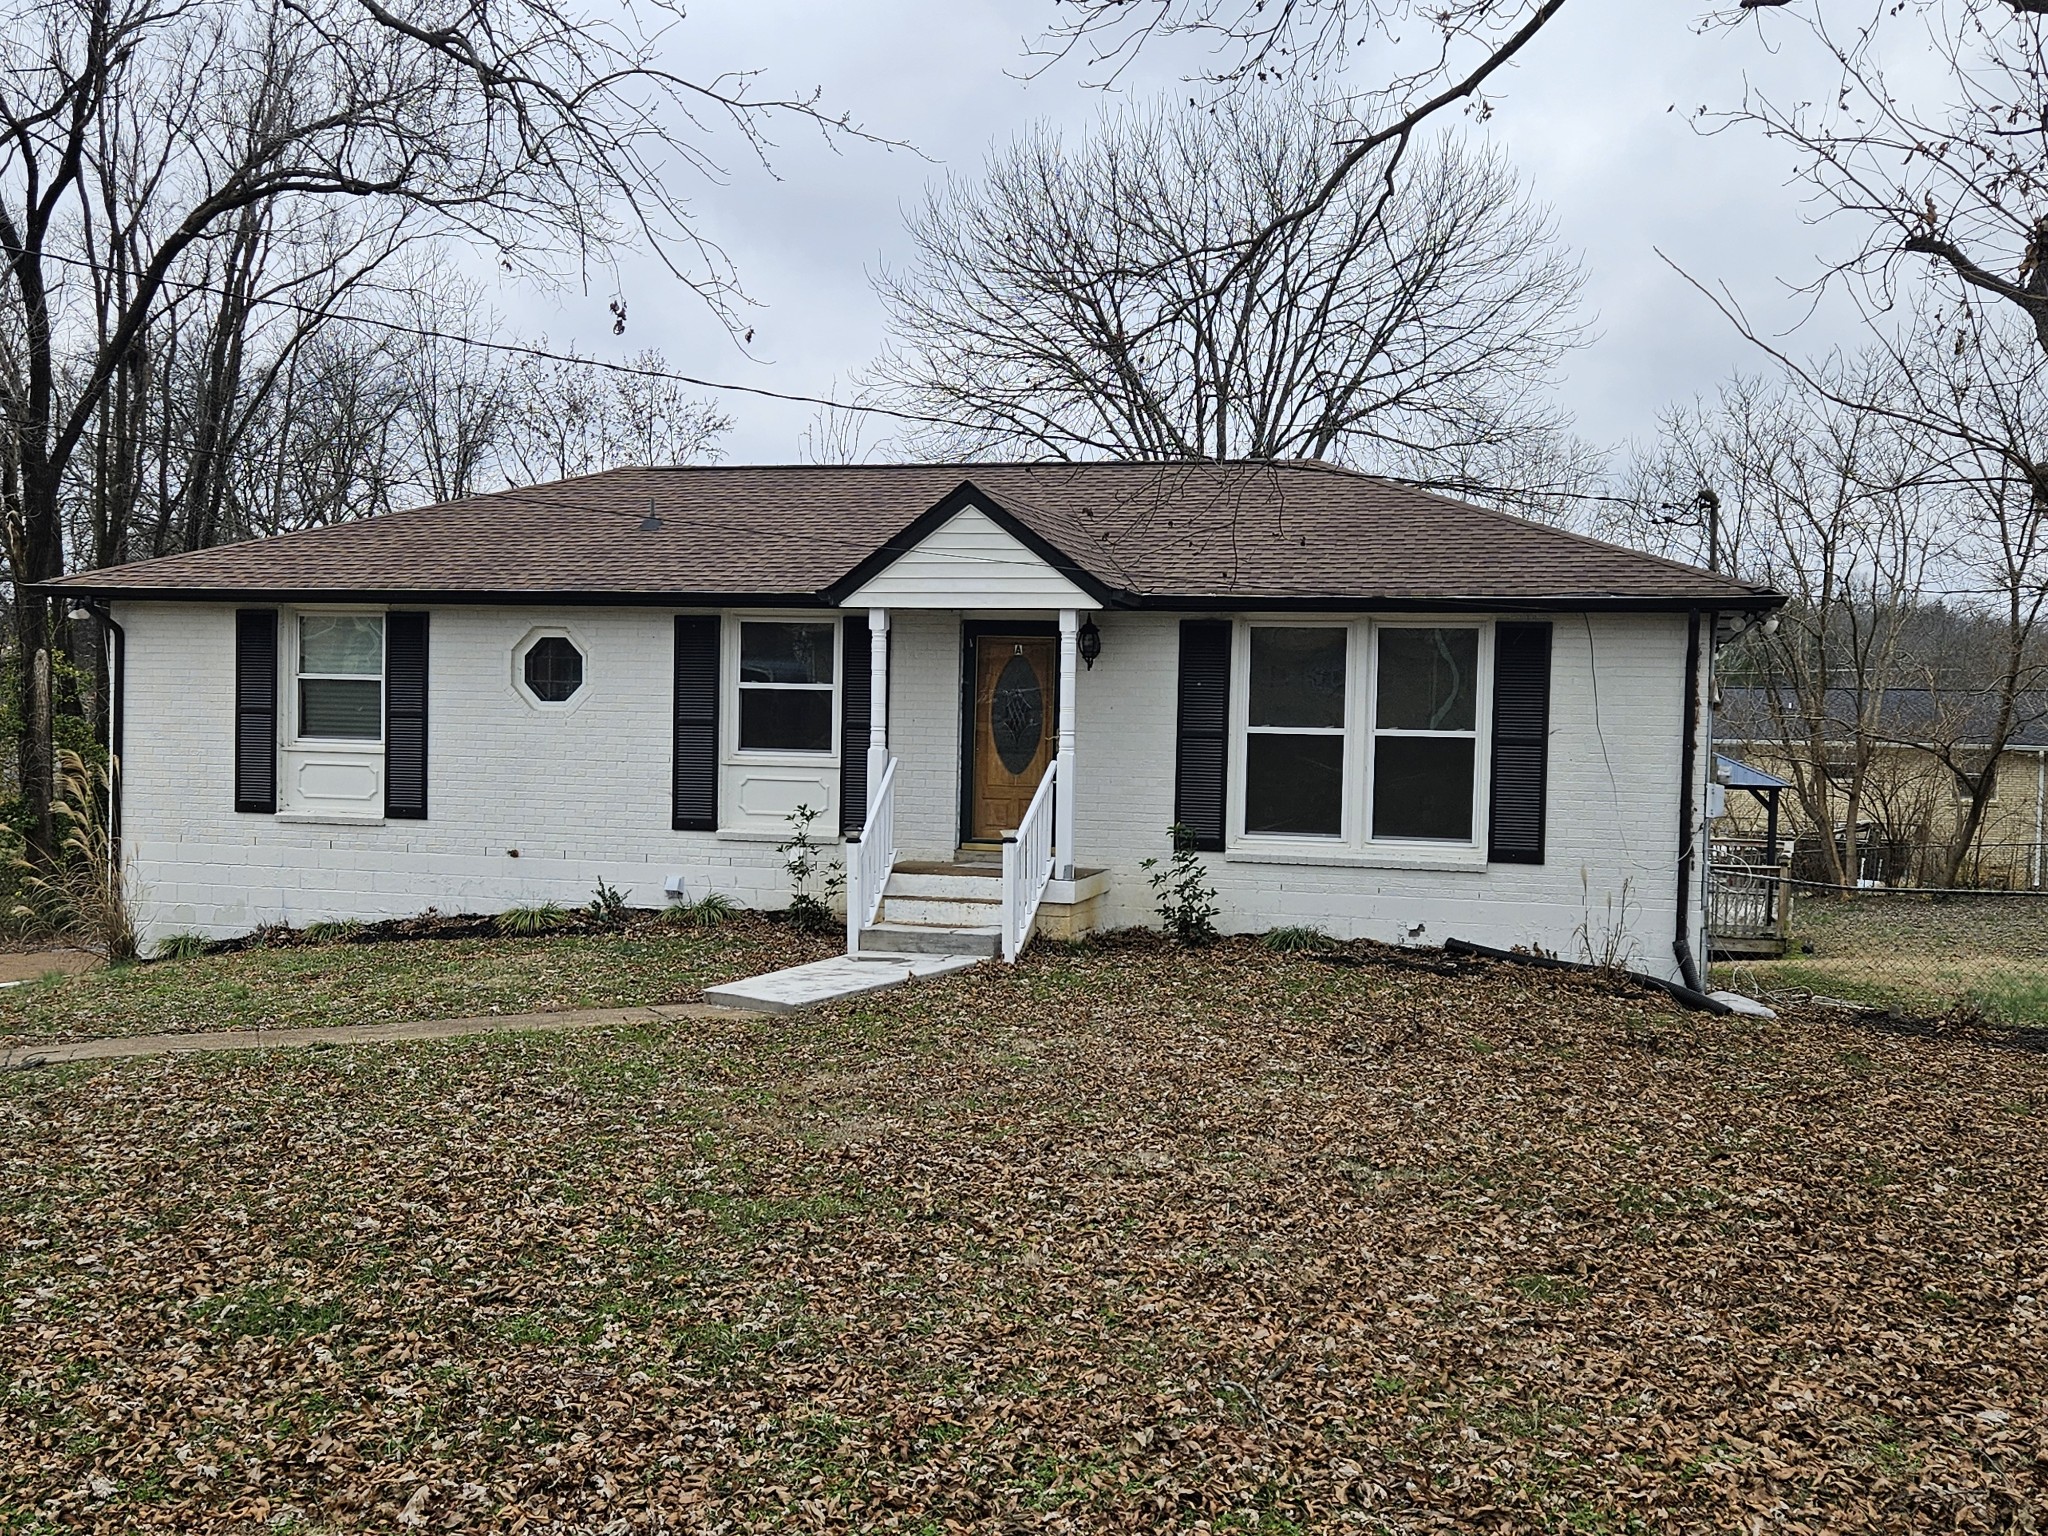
[56, 1052]
[827, 981]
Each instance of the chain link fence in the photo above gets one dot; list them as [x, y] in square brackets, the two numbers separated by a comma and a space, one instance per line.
[1975, 952]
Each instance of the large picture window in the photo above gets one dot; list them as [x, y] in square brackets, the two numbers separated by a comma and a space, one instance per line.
[1425, 734]
[341, 677]
[786, 686]
[1362, 734]
[1294, 722]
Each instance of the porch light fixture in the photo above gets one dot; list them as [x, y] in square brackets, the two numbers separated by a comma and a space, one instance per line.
[1091, 643]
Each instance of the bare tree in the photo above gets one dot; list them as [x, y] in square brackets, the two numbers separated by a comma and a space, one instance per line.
[1079, 301]
[1820, 502]
[168, 130]
[559, 419]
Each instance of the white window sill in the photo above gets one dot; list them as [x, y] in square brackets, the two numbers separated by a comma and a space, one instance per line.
[328, 819]
[742, 835]
[1452, 861]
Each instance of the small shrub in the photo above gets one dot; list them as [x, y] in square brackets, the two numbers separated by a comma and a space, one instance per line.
[336, 930]
[810, 909]
[607, 907]
[1187, 902]
[711, 910]
[530, 922]
[179, 946]
[1289, 941]
[81, 887]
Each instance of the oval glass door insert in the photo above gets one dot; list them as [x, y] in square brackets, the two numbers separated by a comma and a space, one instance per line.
[1017, 715]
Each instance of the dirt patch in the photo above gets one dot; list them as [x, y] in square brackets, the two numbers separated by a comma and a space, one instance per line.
[34, 964]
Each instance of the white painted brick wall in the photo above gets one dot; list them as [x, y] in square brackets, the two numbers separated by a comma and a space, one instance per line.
[582, 795]
[585, 795]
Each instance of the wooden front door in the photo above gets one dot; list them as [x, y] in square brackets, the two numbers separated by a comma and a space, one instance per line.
[1015, 730]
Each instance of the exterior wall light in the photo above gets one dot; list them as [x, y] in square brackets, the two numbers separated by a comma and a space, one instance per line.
[1091, 643]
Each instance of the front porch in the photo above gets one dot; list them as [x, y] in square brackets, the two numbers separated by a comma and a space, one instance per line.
[1018, 612]
[1011, 871]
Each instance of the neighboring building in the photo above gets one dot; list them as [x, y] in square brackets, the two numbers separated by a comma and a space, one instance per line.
[1378, 711]
[1912, 805]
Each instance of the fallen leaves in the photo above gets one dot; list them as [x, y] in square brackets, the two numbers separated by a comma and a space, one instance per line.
[1119, 1239]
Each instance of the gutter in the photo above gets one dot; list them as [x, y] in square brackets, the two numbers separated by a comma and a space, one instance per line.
[117, 718]
[1681, 940]
[82, 589]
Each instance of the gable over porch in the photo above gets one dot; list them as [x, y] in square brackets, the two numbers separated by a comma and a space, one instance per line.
[1020, 612]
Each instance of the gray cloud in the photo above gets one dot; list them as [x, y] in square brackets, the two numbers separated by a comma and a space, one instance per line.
[1600, 116]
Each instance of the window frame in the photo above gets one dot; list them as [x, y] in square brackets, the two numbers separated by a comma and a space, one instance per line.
[526, 642]
[732, 688]
[1241, 738]
[292, 734]
[1355, 842]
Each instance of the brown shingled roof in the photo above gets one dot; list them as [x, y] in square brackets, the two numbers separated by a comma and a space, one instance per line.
[1169, 535]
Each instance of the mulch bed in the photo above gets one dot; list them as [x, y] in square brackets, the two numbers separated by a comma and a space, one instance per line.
[1122, 1238]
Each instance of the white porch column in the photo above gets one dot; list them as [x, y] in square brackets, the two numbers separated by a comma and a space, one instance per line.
[1063, 803]
[878, 698]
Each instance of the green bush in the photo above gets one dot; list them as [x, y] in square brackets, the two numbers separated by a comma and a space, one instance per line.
[179, 946]
[1186, 900]
[530, 922]
[607, 908]
[711, 910]
[1288, 941]
[336, 930]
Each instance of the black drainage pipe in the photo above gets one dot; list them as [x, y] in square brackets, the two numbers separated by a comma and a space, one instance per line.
[1692, 997]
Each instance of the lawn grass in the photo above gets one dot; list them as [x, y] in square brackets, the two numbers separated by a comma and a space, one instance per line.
[1122, 1238]
[1917, 955]
[651, 962]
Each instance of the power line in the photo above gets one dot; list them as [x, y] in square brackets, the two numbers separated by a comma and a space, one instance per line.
[523, 349]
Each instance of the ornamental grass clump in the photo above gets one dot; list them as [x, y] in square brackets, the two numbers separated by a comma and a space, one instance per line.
[80, 889]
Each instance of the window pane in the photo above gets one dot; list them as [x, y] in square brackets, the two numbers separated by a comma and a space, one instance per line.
[348, 643]
[786, 719]
[1297, 677]
[1428, 679]
[1422, 787]
[786, 653]
[1294, 784]
[554, 669]
[347, 711]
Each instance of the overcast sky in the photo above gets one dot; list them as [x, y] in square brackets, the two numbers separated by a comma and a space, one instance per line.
[1599, 116]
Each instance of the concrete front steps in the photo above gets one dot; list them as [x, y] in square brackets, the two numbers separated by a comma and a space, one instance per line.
[939, 909]
[935, 919]
[957, 909]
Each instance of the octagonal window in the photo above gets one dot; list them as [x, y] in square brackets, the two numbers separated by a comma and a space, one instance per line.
[553, 669]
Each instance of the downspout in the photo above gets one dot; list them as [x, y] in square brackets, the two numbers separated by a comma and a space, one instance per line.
[1681, 941]
[117, 718]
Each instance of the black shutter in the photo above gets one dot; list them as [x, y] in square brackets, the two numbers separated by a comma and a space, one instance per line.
[256, 710]
[696, 726]
[405, 716]
[1198, 785]
[1521, 743]
[856, 713]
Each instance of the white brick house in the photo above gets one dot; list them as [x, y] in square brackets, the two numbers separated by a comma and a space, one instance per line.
[1377, 712]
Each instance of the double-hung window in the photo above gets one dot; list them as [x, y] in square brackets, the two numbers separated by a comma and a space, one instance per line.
[1294, 731]
[1362, 734]
[1425, 733]
[341, 677]
[786, 677]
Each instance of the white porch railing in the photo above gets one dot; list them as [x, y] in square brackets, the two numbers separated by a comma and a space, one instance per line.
[869, 859]
[1027, 865]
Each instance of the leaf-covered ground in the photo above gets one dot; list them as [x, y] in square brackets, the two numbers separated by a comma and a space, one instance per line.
[1122, 1239]
[290, 987]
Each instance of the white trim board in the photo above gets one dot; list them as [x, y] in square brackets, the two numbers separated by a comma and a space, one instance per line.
[969, 562]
